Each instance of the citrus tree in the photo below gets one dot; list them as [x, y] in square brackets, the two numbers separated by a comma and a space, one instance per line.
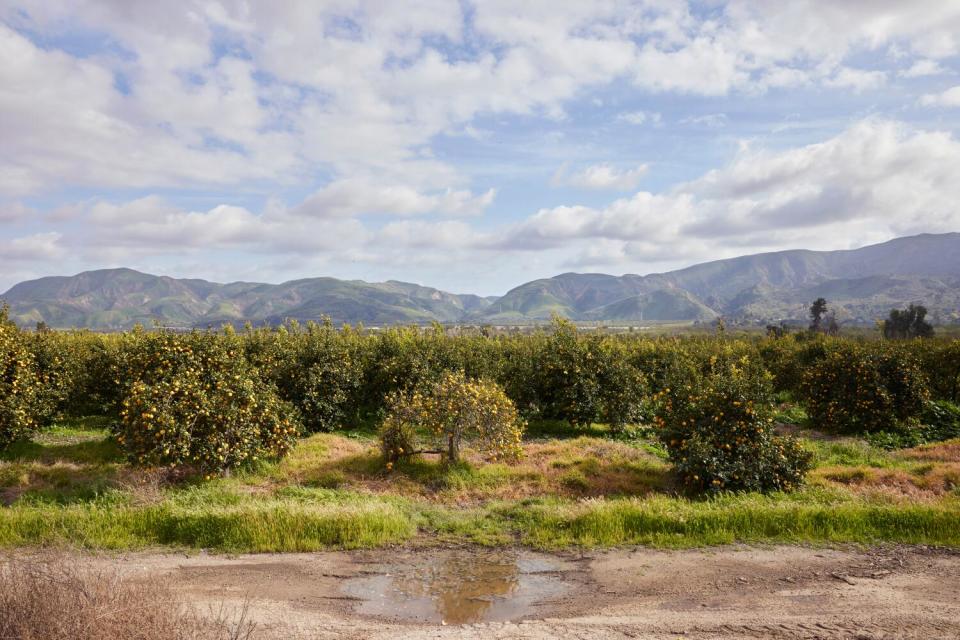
[21, 405]
[444, 415]
[202, 405]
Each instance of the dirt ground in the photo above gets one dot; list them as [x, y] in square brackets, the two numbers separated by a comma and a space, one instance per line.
[729, 592]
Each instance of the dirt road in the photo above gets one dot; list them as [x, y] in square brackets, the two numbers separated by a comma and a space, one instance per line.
[731, 592]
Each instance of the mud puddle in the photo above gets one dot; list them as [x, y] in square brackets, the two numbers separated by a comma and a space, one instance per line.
[453, 586]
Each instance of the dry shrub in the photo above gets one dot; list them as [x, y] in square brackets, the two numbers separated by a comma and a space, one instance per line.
[59, 598]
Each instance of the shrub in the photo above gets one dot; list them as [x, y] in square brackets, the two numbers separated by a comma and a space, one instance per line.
[203, 405]
[939, 421]
[60, 598]
[858, 388]
[22, 409]
[717, 428]
[444, 415]
[788, 358]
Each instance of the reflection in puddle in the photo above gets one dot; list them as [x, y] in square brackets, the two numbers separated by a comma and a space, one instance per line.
[458, 586]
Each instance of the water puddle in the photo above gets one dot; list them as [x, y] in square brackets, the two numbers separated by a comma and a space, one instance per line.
[460, 586]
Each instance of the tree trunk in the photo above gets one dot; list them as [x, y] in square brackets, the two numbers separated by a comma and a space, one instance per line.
[453, 451]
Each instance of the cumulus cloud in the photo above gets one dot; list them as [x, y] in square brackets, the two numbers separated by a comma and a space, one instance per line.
[640, 117]
[878, 178]
[356, 101]
[922, 68]
[229, 93]
[948, 98]
[601, 176]
[856, 79]
[38, 247]
[351, 197]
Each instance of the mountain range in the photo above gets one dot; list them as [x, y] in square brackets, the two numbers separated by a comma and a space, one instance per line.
[861, 285]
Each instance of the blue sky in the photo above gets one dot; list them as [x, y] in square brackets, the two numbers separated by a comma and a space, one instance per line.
[468, 146]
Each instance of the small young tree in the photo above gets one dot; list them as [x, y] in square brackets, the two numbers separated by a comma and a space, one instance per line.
[907, 323]
[448, 413]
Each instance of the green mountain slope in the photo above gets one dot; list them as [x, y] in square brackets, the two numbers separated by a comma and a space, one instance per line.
[860, 284]
[120, 298]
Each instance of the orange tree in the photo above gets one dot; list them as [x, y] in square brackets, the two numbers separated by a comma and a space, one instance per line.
[21, 400]
[201, 404]
[864, 388]
[442, 416]
[715, 420]
[317, 368]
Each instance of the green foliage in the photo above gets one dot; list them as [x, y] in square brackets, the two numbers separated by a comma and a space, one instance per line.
[864, 388]
[318, 369]
[940, 421]
[907, 323]
[623, 387]
[22, 406]
[202, 405]
[447, 413]
[717, 427]
[940, 360]
[580, 379]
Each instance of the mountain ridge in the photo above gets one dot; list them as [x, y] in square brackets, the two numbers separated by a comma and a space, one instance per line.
[861, 284]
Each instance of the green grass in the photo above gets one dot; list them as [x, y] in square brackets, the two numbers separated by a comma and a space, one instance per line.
[253, 526]
[71, 487]
[672, 522]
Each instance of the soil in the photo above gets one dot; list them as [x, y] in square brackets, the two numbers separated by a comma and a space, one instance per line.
[729, 592]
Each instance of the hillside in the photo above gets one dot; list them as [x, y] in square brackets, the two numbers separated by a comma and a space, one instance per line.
[861, 285]
[120, 298]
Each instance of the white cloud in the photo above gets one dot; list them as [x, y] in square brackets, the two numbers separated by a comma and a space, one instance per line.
[856, 79]
[36, 248]
[922, 68]
[877, 179]
[363, 86]
[640, 117]
[709, 120]
[11, 211]
[601, 176]
[346, 198]
[949, 98]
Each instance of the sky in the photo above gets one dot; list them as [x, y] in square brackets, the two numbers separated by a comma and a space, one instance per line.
[469, 146]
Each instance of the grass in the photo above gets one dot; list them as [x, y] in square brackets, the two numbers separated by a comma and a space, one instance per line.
[71, 487]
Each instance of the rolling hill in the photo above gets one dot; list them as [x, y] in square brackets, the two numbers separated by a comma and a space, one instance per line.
[120, 298]
[861, 285]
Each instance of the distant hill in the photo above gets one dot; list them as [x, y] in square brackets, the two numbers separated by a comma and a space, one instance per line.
[860, 284]
[121, 298]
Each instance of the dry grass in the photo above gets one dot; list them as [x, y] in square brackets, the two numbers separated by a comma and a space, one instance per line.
[58, 598]
[574, 468]
[925, 482]
[939, 452]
